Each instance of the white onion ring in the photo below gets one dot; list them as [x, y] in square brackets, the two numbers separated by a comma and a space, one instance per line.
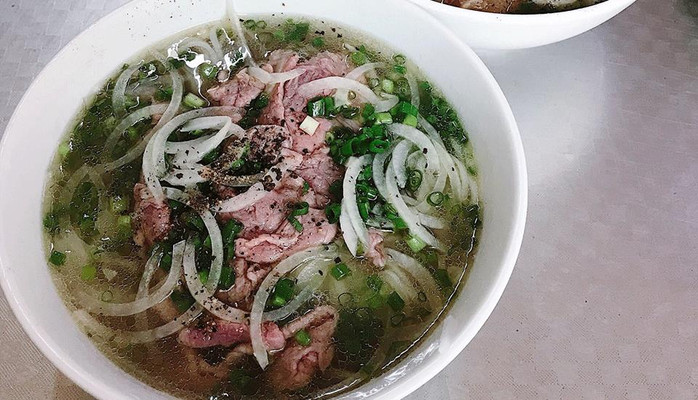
[419, 273]
[118, 97]
[272, 78]
[262, 295]
[130, 120]
[203, 295]
[354, 166]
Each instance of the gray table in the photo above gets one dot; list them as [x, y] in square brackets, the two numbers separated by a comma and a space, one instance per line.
[604, 299]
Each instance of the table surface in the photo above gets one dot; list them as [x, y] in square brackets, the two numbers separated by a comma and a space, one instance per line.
[603, 302]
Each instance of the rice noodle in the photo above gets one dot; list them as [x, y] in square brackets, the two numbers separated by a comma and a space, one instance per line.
[213, 231]
[204, 295]
[235, 21]
[262, 295]
[411, 220]
[272, 78]
[140, 304]
[292, 306]
[131, 119]
[354, 166]
[118, 97]
[419, 273]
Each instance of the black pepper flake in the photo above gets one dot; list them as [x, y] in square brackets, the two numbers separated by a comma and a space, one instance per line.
[425, 151]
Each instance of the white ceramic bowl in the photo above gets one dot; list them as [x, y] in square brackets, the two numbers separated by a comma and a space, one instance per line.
[52, 101]
[483, 30]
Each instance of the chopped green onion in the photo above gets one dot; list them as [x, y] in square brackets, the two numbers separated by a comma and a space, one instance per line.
[227, 278]
[88, 273]
[303, 338]
[378, 146]
[166, 260]
[63, 149]
[278, 301]
[435, 199]
[261, 25]
[374, 282]
[399, 59]
[395, 301]
[333, 211]
[124, 222]
[375, 301]
[119, 204]
[400, 69]
[300, 209]
[51, 222]
[295, 223]
[318, 42]
[415, 243]
[194, 221]
[410, 120]
[207, 242]
[358, 58]
[209, 71]
[249, 24]
[193, 101]
[363, 209]
[57, 258]
[414, 180]
[283, 290]
[442, 278]
[387, 85]
[384, 118]
[203, 276]
[164, 94]
[398, 223]
[182, 300]
[340, 271]
[316, 107]
[107, 296]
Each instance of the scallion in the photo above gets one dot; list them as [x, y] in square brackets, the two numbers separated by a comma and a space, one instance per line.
[435, 199]
[57, 258]
[395, 301]
[384, 118]
[88, 273]
[340, 271]
[303, 338]
[193, 101]
[415, 243]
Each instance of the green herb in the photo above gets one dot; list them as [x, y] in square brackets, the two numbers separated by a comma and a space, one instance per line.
[51, 222]
[208, 71]
[436, 199]
[182, 300]
[414, 180]
[227, 278]
[395, 301]
[415, 243]
[57, 258]
[340, 271]
[318, 42]
[193, 101]
[303, 338]
[333, 211]
[374, 282]
[88, 273]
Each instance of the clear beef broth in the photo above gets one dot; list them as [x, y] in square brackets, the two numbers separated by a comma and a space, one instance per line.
[354, 316]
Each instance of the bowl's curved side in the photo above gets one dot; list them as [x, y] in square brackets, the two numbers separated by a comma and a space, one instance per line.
[483, 30]
[38, 124]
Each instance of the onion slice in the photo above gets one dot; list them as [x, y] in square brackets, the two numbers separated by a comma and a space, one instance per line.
[272, 78]
[411, 220]
[419, 273]
[142, 304]
[203, 295]
[354, 167]
[213, 231]
[119, 95]
[292, 306]
[313, 88]
[260, 299]
[131, 119]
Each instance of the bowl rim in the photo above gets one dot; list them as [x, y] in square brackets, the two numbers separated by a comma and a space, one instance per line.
[559, 16]
[81, 375]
